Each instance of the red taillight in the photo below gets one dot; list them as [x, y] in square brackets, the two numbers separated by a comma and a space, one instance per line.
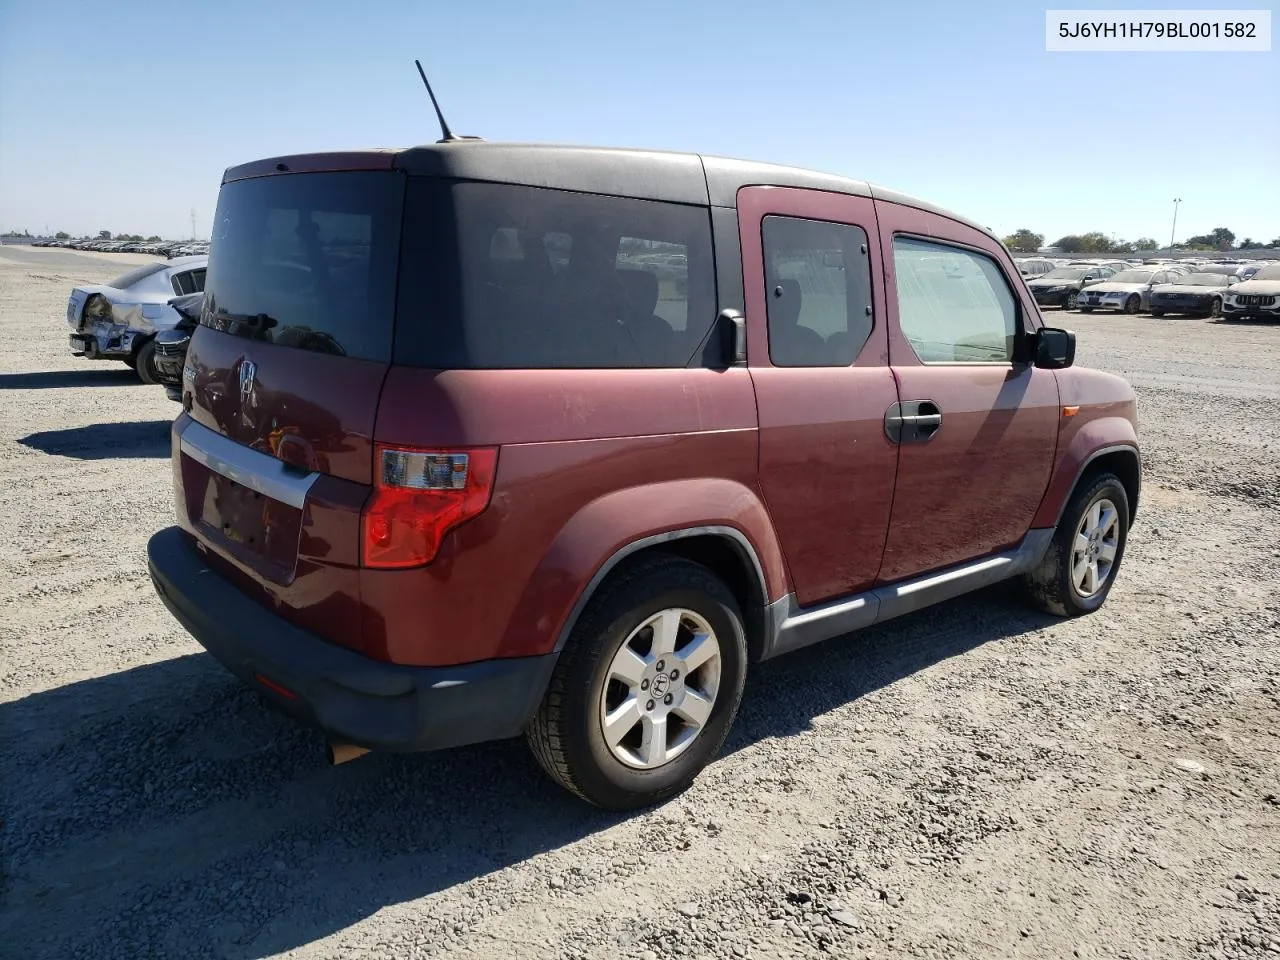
[418, 497]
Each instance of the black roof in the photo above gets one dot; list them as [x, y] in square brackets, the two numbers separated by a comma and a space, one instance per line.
[646, 174]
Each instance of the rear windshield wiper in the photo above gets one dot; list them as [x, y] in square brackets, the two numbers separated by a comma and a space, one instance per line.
[243, 324]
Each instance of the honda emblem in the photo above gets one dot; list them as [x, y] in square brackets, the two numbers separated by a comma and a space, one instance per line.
[248, 370]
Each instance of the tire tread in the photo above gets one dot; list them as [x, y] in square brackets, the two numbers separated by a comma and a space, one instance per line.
[546, 733]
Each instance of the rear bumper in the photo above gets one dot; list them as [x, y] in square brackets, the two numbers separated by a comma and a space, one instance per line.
[354, 699]
[95, 348]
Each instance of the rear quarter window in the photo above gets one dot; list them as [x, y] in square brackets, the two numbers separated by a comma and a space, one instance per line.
[495, 276]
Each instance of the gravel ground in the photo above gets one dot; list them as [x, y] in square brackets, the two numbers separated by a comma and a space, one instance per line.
[976, 780]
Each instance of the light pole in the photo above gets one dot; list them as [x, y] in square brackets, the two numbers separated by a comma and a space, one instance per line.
[1174, 229]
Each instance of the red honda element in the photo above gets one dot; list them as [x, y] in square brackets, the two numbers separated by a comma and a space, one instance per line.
[481, 440]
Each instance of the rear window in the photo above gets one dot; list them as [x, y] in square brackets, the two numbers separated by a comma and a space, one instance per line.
[126, 280]
[307, 261]
[495, 276]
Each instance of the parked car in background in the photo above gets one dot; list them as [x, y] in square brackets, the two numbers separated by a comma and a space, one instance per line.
[171, 344]
[583, 493]
[1199, 294]
[1061, 286]
[119, 320]
[1256, 298]
[1126, 291]
[1033, 267]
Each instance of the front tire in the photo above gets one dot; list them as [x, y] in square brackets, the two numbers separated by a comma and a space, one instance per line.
[1132, 304]
[647, 687]
[1073, 298]
[1157, 313]
[1215, 309]
[1077, 571]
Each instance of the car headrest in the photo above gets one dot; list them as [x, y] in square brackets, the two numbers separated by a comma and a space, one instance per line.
[642, 289]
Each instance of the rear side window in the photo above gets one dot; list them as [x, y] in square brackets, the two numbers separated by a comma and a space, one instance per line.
[307, 261]
[495, 276]
[818, 289]
[191, 281]
[953, 304]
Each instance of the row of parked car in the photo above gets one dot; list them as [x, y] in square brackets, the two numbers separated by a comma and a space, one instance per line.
[1208, 288]
[163, 248]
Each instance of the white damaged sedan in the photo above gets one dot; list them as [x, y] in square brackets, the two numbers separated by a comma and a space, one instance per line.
[119, 320]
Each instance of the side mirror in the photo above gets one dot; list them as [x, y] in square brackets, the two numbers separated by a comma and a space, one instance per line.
[733, 330]
[1055, 349]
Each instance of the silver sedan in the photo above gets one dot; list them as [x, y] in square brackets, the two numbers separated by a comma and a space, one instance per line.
[1128, 291]
[119, 320]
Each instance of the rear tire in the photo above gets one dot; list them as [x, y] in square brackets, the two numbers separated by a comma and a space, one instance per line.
[144, 363]
[1082, 540]
[568, 733]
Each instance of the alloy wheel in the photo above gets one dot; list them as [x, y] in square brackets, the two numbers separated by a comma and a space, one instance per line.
[1096, 545]
[660, 689]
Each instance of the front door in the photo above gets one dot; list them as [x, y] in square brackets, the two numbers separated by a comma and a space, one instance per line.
[818, 354]
[977, 424]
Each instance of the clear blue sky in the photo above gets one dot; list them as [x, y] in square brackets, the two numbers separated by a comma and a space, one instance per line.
[122, 116]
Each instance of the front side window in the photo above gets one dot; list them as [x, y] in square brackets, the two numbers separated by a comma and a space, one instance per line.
[818, 291]
[954, 305]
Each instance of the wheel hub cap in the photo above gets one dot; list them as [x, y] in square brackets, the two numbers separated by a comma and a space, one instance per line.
[1096, 546]
[660, 689]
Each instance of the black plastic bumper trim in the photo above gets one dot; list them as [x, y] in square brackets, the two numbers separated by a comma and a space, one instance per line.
[352, 698]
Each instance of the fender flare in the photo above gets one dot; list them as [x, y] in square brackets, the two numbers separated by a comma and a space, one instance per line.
[1058, 494]
[635, 546]
[615, 526]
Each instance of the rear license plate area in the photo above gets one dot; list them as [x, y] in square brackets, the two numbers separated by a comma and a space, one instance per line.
[254, 529]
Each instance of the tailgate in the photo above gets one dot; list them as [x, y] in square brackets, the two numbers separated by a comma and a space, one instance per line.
[273, 455]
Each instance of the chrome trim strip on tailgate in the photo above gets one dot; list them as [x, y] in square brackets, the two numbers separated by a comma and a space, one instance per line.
[258, 471]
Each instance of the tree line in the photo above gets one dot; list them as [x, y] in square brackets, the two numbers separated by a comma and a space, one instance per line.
[1220, 239]
[102, 235]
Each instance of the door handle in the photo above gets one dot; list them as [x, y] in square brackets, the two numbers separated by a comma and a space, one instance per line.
[912, 421]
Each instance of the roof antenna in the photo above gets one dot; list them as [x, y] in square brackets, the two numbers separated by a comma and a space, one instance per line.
[446, 135]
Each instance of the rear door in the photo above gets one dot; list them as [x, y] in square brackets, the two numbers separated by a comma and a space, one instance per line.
[282, 382]
[818, 355]
[975, 462]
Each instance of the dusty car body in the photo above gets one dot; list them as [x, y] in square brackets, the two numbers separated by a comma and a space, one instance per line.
[1257, 297]
[1128, 291]
[1199, 294]
[119, 320]
[664, 416]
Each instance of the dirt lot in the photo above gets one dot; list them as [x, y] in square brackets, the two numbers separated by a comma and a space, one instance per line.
[974, 781]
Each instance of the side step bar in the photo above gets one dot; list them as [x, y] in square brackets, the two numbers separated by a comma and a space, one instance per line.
[790, 627]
